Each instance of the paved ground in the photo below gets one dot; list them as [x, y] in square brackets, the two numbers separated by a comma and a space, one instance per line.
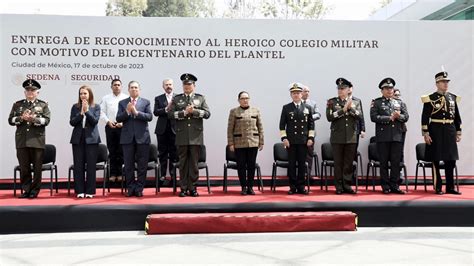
[409, 246]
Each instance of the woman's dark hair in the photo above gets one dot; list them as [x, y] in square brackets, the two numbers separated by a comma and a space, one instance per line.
[240, 94]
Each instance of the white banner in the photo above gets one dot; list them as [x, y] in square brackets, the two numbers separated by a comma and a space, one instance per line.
[228, 56]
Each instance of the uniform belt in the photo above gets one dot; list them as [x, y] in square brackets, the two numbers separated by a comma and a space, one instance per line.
[442, 121]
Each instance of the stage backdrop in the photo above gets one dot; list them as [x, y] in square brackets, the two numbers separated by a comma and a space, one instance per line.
[259, 56]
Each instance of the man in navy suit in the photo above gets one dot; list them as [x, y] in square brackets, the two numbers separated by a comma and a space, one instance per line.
[165, 128]
[135, 113]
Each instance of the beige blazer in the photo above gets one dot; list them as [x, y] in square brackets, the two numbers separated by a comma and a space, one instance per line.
[244, 128]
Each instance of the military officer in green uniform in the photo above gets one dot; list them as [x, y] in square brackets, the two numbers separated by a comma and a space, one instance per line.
[30, 116]
[297, 134]
[389, 115]
[189, 109]
[344, 113]
[441, 125]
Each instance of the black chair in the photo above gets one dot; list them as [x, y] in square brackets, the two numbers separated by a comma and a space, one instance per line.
[201, 165]
[374, 163]
[280, 157]
[231, 164]
[49, 164]
[102, 164]
[328, 162]
[421, 162]
[316, 163]
[153, 164]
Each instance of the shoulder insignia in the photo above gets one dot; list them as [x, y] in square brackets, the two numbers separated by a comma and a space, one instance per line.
[458, 99]
[425, 99]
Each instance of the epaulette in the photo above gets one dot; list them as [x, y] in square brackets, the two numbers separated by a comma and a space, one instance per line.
[425, 99]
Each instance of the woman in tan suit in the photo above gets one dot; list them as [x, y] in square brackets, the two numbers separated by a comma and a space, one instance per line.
[245, 137]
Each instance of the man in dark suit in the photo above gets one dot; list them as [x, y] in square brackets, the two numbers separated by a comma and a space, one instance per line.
[297, 134]
[30, 116]
[165, 128]
[389, 116]
[135, 113]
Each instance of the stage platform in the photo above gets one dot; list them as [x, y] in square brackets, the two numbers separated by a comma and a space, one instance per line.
[63, 213]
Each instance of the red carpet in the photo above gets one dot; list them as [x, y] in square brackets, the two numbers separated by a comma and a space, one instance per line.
[188, 223]
[218, 196]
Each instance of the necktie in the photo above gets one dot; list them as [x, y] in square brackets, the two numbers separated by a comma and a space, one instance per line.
[134, 102]
[297, 107]
[188, 99]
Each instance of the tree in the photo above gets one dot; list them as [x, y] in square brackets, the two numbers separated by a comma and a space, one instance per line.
[130, 8]
[294, 9]
[242, 9]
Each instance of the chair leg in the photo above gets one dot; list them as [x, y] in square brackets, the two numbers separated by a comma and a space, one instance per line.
[374, 173]
[424, 177]
[259, 175]
[224, 181]
[208, 181]
[308, 174]
[157, 179]
[406, 178]
[51, 183]
[104, 179]
[174, 177]
[367, 177]
[69, 182]
[416, 175]
[272, 188]
[356, 178]
[56, 178]
[317, 170]
[457, 181]
[361, 166]
[14, 182]
[330, 174]
[321, 170]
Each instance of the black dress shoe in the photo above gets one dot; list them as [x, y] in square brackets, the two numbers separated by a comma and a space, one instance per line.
[139, 194]
[250, 191]
[24, 195]
[194, 193]
[349, 191]
[303, 191]
[439, 192]
[243, 191]
[130, 193]
[386, 191]
[183, 194]
[454, 192]
[291, 191]
[397, 191]
[33, 195]
[339, 191]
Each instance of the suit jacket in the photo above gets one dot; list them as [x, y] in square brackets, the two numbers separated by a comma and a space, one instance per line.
[189, 128]
[30, 134]
[92, 118]
[244, 128]
[163, 120]
[361, 123]
[343, 124]
[135, 128]
[297, 125]
[385, 129]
